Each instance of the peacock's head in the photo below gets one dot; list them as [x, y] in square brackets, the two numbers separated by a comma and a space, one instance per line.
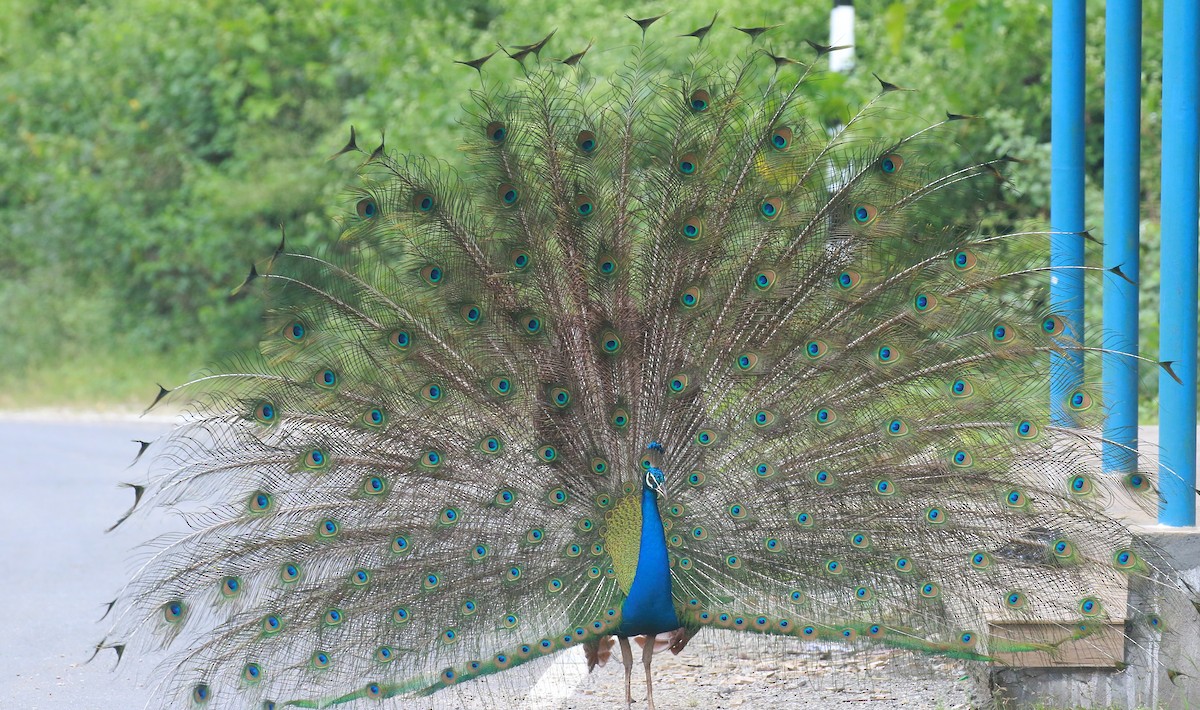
[655, 478]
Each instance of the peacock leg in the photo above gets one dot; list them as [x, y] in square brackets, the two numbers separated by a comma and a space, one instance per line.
[647, 654]
[627, 661]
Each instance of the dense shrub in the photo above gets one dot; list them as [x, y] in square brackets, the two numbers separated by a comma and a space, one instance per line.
[154, 147]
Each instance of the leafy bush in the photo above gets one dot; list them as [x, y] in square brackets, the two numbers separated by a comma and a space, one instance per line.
[156, 146]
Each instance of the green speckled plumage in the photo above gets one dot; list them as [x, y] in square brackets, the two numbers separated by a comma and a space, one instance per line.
[431, 470]
[622, 536]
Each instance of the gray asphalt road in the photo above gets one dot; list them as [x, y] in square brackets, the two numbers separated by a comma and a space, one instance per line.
[59, 494]
[60, 491]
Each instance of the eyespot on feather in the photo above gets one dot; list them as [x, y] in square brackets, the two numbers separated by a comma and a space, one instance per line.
[607, 265]
[688, 164]
[1026, 429]
[491, 444]
[770, 208]
[423, 202]
[295, 331]
[746, 361]
[1003, 334]
[501, 386]
[374, 418]
[559, 397]
[431, 459]
[374, 486]
[530, 324]
[964, 260]
[519, 259]
[764, 280]
[174, 611]
[610, 342]
[265, 413]
[260, 502]
[887, 355]
[848, 280]
[864, 214]
[891, 163]
[400, 340]
[316, 459]
[471, 314]
[508, 194]
[433, 274]
[366, 208]
[781, 138]
[586, 142]
[678, 383]
[815, 349]
[1080, 485]
[325, 379]
[1053, 326]
[925, 303]
[1079, 401]
[496, 131]
[584, 207]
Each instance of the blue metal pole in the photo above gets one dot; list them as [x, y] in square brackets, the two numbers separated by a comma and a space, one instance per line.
[1122, 194]
[1177, 302]
[1066, 195]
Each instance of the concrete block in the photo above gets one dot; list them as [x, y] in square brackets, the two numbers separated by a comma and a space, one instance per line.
[1160, 671]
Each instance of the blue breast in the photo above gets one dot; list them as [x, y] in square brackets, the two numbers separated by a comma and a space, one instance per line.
[649, 609]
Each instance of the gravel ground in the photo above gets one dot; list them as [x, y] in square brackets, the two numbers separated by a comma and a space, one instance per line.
[709, 674]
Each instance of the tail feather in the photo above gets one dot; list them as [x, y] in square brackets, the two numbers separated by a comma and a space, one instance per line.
[429, 471]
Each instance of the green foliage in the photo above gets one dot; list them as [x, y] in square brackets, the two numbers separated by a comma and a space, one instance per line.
[156, 146]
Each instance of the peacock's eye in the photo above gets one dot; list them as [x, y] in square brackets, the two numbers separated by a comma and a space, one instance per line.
[687, 164]
[764, 280]
[265, 413]
[965, 260]
[423, 202]
[864, 214]
[295, 331]
[366, 208]
[530, 324]
[471, 314]
[501, 386]
[433, 274]
[781, 138]
[891, 163]
[586, 142]
[496, 132]
[848, 280]
[508, 194]
[770, 208]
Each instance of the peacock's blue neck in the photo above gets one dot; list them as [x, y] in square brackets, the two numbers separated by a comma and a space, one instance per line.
[649, 608]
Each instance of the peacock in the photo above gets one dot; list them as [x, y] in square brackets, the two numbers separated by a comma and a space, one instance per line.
[667, 357]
